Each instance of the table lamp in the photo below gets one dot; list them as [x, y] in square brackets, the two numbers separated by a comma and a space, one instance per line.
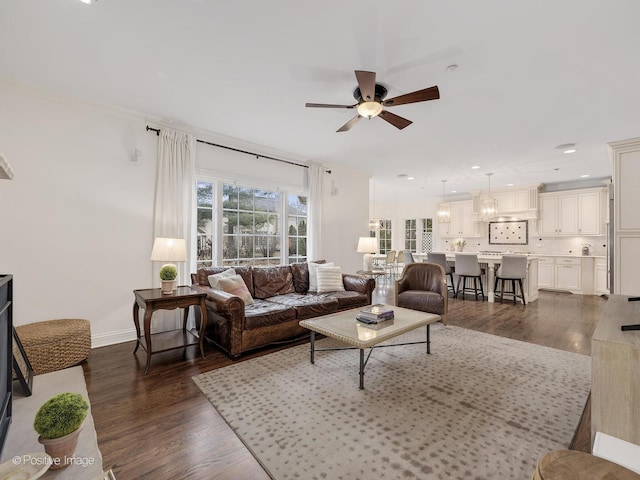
[169, 250]
[368, 246]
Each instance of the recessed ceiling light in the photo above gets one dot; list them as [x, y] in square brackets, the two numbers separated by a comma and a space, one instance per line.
[585, 176]
[411, 178]
[452, 68]
[567, 147]
[88, 2]
[453, 191]
[475, 167]
[509, 184]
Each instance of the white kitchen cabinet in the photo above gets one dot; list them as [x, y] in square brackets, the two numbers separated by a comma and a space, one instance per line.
[572, 212]
[462, 222]
[625, 157]
[568, 274]
[590, 213]
[601, 284]
[546, 272]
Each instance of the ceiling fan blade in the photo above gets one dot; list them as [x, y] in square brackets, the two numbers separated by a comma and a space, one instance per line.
[367, 84]
[395, 120]
[349, 124]
[327, 105]
[431, 93]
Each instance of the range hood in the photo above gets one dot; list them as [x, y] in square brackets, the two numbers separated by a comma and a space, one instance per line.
[5, 170]
[516, 203]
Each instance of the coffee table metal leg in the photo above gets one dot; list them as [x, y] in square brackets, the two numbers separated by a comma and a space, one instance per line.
[361, 369]
[313, 342]
[428, 340]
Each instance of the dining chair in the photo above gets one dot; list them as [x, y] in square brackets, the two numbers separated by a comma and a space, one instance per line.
[399, 262]
[441, 259]
[390, 263]
[513, 268]
[467, 267]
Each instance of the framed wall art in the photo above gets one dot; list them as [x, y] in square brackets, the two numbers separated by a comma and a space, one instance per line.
[509, 232]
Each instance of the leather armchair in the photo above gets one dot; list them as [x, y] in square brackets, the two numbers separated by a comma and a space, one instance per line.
[423, 286]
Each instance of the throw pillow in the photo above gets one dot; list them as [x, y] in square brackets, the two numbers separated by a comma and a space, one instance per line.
[235, 286]
[215, 279]
[313, 279]
[329, 279]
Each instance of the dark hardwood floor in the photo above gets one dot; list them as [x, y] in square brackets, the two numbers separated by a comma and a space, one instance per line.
[160, 426]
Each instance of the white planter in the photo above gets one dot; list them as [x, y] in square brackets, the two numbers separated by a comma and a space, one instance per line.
[168, 286]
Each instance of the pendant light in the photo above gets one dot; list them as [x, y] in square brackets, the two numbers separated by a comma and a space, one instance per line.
[489, 206]
[444, 209]
[374, 223]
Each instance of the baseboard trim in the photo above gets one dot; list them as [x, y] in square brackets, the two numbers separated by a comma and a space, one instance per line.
[112, 338]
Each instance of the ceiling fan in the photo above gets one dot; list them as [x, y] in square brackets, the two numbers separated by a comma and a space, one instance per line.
[370, 96]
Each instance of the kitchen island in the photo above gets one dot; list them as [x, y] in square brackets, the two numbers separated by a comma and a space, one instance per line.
[489, 263]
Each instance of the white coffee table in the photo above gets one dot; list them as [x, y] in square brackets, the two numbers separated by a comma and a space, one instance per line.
[345, 328]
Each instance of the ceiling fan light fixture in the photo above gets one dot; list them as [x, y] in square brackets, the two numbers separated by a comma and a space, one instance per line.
[369, 109]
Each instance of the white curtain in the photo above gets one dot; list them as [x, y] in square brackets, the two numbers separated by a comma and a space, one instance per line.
[172, 209]
[315, 179]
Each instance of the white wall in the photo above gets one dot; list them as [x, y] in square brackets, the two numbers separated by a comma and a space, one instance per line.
[345, 217]
[424, 205]
[76, 222]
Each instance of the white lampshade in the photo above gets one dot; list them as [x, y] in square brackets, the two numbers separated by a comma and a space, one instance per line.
[169, 250]
[367, 245]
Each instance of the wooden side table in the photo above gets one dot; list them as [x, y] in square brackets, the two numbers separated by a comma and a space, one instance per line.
[153, 299]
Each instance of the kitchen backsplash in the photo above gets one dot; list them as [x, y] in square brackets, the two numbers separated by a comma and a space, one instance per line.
[541, 245]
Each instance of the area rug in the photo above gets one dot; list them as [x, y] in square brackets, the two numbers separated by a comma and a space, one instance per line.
[479, 407]
[22, 439]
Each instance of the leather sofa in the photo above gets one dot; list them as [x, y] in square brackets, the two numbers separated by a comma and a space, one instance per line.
[281, 299]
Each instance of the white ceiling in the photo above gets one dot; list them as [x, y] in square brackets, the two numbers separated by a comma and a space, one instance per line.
[532, 75]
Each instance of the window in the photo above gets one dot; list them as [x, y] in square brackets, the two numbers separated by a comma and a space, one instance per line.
[418, 235]
[384, 236]
[410, 235]
[297, 228]
[239, 225]
[204, 227]
[426, 233]
[250, 226]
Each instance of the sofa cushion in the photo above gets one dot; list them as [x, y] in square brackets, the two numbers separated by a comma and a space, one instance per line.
[272, 281]
[346, 299]
[329, 279]
[244, 272]
[214, 280]
[422, 300]
[263, 314]
[300, 273]
[236, 286]
[307, 306]
[313, 277]
[203, 274]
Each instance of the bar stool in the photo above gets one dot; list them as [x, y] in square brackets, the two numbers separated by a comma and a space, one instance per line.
[467, 266]
[513, 268]
[441, 259]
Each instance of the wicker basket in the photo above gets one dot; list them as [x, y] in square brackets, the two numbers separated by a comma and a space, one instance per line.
[55, 344]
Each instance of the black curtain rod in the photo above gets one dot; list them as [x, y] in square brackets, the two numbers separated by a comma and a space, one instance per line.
[257, 155]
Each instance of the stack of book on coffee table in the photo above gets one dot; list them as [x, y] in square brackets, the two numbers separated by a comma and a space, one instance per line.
[375, 314]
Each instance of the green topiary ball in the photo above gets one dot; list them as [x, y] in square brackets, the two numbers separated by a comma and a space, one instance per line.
[168, 272]
[61, 415]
